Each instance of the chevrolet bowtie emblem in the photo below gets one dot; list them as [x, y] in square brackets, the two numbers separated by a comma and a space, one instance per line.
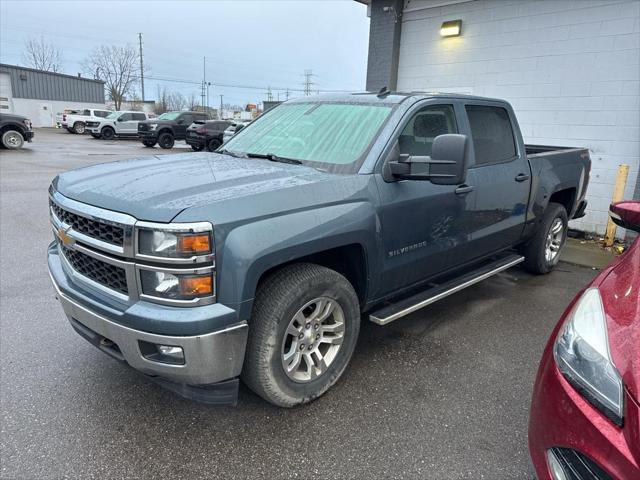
[64, 237]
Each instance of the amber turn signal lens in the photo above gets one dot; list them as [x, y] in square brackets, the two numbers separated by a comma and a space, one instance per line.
[194, 243]
[196, 285]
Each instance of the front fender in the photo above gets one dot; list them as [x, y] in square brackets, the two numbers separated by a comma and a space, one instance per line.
[252, 249]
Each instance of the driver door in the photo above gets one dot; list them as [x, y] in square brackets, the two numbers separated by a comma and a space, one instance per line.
[424, 225]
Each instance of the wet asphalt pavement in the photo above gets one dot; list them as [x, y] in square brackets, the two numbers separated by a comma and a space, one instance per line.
[441, 394]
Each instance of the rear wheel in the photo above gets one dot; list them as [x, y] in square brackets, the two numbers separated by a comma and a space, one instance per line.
[78, 127]
[148, 143]
[165, 140]
[12, 139]
[542, 252]
[108, 133]
[304, 328]
[213, 144]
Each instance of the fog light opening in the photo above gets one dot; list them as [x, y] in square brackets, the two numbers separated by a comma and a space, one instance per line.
[155, 352]
[556, 469]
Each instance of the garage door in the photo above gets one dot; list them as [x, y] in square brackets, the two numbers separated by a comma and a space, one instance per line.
[6, 104]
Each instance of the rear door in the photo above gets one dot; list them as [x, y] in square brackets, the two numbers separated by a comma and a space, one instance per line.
[500, 175]
[182, 123]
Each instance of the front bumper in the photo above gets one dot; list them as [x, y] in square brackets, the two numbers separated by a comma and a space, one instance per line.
[580, 436]
[209, 358]
[28, 135]
[146, 135]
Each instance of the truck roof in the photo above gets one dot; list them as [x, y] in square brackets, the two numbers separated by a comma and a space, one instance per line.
[388, 98]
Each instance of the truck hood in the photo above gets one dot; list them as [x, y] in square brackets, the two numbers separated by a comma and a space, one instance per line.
[158, 188]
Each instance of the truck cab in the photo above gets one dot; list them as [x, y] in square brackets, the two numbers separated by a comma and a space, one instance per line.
[259, 260]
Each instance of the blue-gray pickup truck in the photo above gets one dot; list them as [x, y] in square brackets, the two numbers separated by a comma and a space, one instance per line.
[258, 261]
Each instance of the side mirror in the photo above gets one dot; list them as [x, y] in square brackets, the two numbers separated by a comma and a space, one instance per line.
[447, 164]
[120, 119]
[626, 214]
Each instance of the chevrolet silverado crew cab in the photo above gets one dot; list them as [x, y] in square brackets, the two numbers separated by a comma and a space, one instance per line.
[259, 260]
[116, 124]
[168, 128]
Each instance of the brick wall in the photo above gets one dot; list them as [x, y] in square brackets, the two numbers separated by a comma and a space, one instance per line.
[570, 68]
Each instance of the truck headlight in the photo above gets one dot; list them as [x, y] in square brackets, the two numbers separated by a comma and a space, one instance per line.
[153, 126]
[27, 123]
[582, 355]
[176, 286]
[173, 244]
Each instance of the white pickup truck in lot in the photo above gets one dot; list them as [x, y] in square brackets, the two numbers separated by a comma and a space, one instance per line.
[117, 124]
[77, 122]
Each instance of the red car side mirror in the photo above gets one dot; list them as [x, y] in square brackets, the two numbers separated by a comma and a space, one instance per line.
[626, 214]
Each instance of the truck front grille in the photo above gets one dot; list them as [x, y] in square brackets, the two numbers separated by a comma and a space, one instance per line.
[101, 272]
[92, 228]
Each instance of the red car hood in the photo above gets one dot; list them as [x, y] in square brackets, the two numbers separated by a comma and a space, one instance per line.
[620, 291]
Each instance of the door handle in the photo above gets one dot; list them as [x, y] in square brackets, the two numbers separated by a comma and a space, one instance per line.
[521, 177]
[463, 189]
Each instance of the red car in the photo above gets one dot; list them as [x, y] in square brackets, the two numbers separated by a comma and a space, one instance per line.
[585, 412]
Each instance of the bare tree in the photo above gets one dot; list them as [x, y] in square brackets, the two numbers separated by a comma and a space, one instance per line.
[193, 101]
[162, 101]
[177, 101]
[117, 66]
[42, 55]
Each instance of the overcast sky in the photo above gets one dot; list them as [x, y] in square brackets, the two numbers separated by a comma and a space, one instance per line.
[256, 43]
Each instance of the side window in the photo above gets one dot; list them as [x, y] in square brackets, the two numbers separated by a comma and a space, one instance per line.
[125, 117]
[418, 135]
[101, 113]
[139, 116]
[492, 134]
[85, 113]
[187, 119]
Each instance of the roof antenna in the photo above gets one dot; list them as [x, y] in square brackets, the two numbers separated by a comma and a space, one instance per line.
[384, 91]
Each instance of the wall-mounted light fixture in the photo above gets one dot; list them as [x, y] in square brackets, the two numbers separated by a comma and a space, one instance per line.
[452, 28]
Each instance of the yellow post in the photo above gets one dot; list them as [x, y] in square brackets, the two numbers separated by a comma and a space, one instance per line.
[618, 195]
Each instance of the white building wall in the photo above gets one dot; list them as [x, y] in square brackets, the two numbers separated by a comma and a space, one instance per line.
[570, 68]
[42, 113]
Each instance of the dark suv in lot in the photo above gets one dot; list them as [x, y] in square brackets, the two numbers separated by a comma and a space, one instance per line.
[167, 128]
[207, 135]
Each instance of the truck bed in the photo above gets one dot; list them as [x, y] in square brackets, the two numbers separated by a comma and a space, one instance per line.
[538, 150]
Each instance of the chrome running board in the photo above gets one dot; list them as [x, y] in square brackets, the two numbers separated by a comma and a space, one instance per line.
[409, 305]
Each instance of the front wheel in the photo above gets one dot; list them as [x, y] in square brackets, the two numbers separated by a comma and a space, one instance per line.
[108, 133]
[303, 330]
[12, 140]
[166, 141]
[542, 252]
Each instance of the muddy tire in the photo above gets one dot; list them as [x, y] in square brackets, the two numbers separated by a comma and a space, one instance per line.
[302, 333]
[542, 252]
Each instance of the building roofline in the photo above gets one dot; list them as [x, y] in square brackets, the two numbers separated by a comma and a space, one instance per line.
[29, 69]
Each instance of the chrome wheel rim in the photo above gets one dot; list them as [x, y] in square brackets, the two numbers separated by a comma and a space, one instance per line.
[554, 241]
[13, 140]
[312, 339]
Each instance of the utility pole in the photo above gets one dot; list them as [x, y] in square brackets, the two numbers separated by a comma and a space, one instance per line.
[220, 107]
[269, 94]
[141, 66]
[204, 81]
[287, 94]
[308, 74]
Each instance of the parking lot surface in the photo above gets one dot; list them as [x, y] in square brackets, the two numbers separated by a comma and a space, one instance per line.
[441, 394]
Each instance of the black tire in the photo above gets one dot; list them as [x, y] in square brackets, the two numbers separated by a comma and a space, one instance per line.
[534, 251]
[108, 133]
[166, 140]
[197, 148]
[278, 299]
[78, 128]
[213, 144]
[12, 139]
[148, 143]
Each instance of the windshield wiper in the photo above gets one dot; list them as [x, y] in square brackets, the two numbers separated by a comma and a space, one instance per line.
[224, 151]
[275, 158]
